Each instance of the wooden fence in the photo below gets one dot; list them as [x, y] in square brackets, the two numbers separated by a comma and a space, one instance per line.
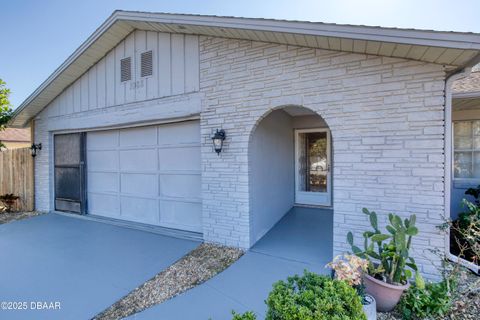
[16, 176]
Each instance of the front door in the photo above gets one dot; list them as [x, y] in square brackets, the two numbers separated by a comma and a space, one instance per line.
[69, 150]
[312, 167]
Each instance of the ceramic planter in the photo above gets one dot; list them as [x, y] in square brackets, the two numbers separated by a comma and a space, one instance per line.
[386, 295]
[370, 307]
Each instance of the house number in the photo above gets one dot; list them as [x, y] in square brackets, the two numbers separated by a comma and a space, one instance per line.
[136, 84]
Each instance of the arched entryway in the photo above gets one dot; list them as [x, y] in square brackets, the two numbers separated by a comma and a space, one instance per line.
[290, 165]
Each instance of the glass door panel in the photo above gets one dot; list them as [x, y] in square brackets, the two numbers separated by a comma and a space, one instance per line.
[313, 167]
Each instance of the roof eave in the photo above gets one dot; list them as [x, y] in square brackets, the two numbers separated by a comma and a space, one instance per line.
[464, 41]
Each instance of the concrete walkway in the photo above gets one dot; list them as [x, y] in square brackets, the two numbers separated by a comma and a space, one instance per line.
[84, 265]
[302, 240]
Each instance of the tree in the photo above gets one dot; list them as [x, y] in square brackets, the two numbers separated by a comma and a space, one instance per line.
[5, 110]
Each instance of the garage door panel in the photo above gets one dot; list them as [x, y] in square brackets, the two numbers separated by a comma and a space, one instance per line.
[181, 159]
[103, 182]
[103, 204]
[139, 210]
[141, 136]
[182, 215]
[102, 160]
[140, 184]
[102, 140]
[146, 174]
[139, 160]
[180, 185]
[179, 133]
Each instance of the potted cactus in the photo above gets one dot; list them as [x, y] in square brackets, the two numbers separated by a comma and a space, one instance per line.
[389, 264]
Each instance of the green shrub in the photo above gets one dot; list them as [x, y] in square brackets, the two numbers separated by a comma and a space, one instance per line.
[8, 200]
[465, 218]
[313, 297]
[249, 315]
[432, 301]
[465, 232]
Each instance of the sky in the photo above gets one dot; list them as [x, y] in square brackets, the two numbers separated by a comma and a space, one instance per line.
[37, 36]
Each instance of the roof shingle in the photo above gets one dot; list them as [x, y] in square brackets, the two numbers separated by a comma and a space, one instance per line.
[17, 135]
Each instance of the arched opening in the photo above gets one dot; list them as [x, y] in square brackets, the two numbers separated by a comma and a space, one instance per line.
[290, 166]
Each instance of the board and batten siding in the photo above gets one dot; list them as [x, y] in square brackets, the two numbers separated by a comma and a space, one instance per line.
[175, 71]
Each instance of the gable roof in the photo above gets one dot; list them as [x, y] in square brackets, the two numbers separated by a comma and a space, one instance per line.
[15, 135]
[456, 50]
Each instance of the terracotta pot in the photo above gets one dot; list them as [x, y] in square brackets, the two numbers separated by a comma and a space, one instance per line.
[386, 295]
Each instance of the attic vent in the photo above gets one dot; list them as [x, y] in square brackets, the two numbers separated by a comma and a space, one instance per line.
[146, 63]
[125, 69]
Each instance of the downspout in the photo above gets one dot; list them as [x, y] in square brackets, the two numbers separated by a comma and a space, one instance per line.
[448, 163]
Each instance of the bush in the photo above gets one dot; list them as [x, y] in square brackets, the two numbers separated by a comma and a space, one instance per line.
[313, 297]
[8, 200]
[432, 301]
[465, 218]
[249, 315]
[465, 233]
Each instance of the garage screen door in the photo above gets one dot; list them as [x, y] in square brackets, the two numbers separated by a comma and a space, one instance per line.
[146, 174]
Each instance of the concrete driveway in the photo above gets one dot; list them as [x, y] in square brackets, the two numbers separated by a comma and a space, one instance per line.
[303, 239]
[74, 267]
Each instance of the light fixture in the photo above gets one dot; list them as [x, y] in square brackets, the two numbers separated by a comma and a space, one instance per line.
[34, 148]
[217, 140]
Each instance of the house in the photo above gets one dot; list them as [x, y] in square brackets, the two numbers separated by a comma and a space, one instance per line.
[466, 132]
[313, 114]
[13, 138]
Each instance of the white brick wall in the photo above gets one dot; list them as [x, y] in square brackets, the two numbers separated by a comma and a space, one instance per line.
[48, 121]
[385, 115]
[42, 166]
[386, 119]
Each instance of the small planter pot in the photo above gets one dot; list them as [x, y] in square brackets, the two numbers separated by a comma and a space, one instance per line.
[370, 307]
[386, 295]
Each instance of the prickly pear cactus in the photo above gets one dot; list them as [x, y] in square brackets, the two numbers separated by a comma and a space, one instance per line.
[388, 253]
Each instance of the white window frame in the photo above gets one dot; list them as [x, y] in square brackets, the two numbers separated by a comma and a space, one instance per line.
[323, 199]
[463, 181]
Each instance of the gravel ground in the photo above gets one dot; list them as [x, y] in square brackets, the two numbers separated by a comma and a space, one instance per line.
[196, 267]
[465, 307]
[12, 216]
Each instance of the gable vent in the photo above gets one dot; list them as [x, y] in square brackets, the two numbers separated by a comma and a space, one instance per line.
[125, 69]
[146, 64]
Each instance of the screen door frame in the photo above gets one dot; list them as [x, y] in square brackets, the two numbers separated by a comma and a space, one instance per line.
[76, 201]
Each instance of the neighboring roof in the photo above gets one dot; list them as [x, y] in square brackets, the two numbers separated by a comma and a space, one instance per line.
[470, 84]
[453, 49]
[466, 91]
[15, 135]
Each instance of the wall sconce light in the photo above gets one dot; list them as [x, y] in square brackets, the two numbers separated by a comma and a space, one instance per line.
[217, 140]
[34, 148]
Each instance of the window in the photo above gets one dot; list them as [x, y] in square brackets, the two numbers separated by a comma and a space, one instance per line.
[466, 149]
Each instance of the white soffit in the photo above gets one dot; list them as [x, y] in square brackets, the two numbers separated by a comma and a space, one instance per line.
[453, 49]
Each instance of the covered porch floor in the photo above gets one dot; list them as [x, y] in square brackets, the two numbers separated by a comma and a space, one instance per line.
[302, 239]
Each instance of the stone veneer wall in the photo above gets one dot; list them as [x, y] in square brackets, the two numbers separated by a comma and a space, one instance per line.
[386, 116]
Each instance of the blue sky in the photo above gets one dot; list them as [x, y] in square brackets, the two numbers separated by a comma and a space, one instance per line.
[39, 35]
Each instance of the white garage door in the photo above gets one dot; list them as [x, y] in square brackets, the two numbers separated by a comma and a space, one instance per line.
[146, 174]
